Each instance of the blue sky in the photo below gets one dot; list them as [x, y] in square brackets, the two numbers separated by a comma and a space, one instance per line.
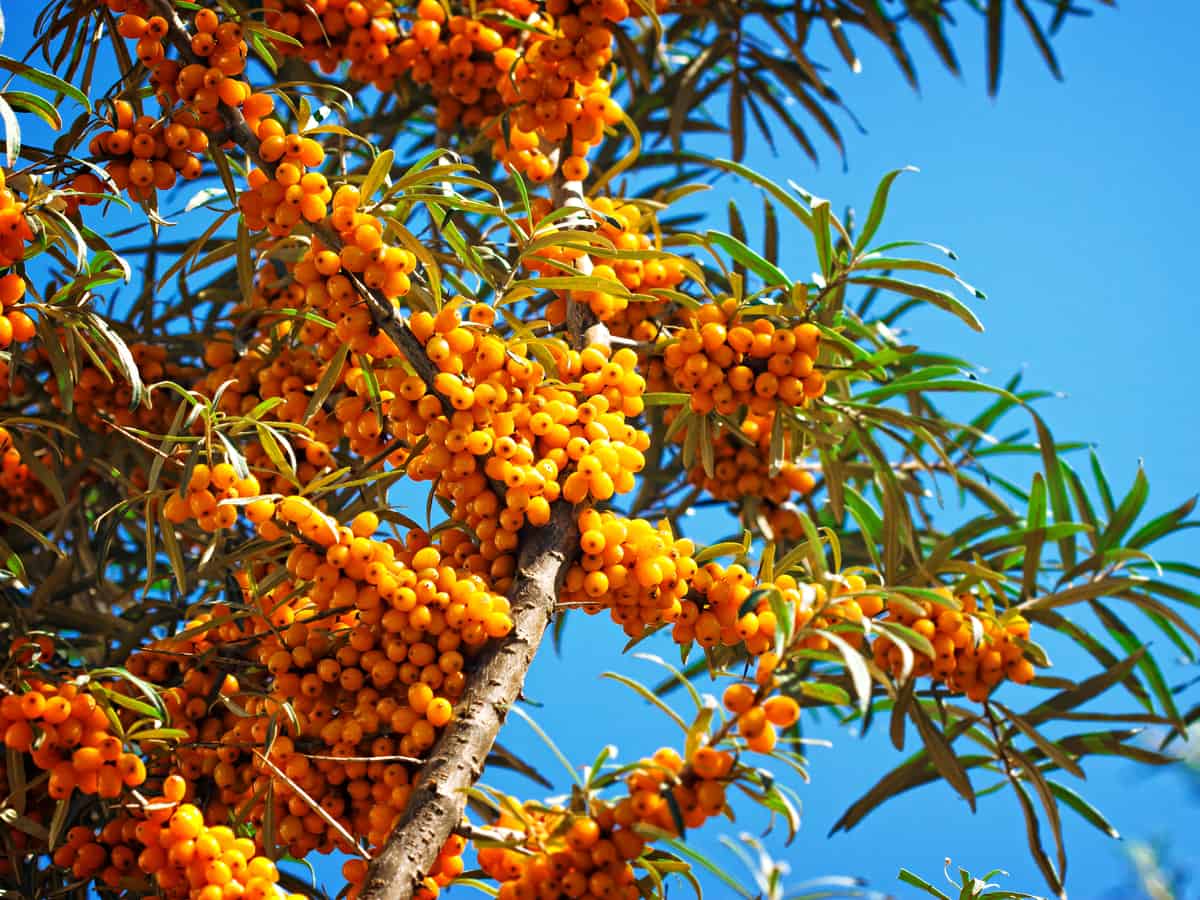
[1072, 206]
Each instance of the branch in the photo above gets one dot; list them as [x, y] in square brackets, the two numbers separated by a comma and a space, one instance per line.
[236, 128]
[439, 798]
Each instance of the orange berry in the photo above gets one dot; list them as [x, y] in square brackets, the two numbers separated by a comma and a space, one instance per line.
[782, 711]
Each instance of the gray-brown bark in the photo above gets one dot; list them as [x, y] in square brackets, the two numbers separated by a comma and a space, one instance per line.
[457, 760]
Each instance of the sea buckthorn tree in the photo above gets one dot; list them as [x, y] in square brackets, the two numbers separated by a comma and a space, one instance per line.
[272, 273]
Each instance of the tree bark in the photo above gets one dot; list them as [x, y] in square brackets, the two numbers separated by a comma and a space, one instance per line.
[439, 796]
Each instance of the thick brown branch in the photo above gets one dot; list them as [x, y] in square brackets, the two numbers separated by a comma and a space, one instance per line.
[437, 804]
[439, 797]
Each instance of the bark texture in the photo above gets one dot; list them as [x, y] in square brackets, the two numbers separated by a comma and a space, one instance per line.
[457, 760]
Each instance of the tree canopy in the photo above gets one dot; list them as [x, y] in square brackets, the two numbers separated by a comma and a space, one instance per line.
[267, 269]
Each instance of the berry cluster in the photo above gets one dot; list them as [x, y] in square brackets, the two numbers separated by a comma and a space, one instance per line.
[21, 492]
[67, 734]
[963, 662]
[638, 572]
[102, 400]
[329, 32]
[204, 497]
[726, 361]
[167, 846]
[366, 644]
[202, 86]
[455, 57]
[564, 855]
[326, 274]
[742, 470]
[757, 722]
[15, 234]
[279, 200]
[624, 226]
[512, 430]
[142, 154]
[15, 324]
[718, 613]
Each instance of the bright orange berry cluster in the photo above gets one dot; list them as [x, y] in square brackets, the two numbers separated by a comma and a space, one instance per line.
[330, 32]
[455, 57]
[365, 645]
[639, 573]
[280, 200]
[204, 497]
[220, 51]
[726, 360]
[168, 842]
[365, 256]
[511, 425]
[757, 721]
[15, 324]
[554, 89]
[741, 470]
[624, 225]
[718, 613]
[564, 855]
[202, 86]
[21, 492]
[142, 154]
[67, 734]
[15, 234]
[963, 662]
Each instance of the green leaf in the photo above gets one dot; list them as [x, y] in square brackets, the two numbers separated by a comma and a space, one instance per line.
[918, 882]
[558, 754]
[46, 80]
[648, 695]
[683, 851]
[1088, 812]
[771, 274]
[1163, 525]
[376, 174]
[942, 754]
[821, 237]
[503, 758]
[1084, 691]
[878, 207]
[860, 676]
[1131, 507]
[1053, 752]
[942, 300]
[823, 692]
[1146, 664]
[39, 106]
